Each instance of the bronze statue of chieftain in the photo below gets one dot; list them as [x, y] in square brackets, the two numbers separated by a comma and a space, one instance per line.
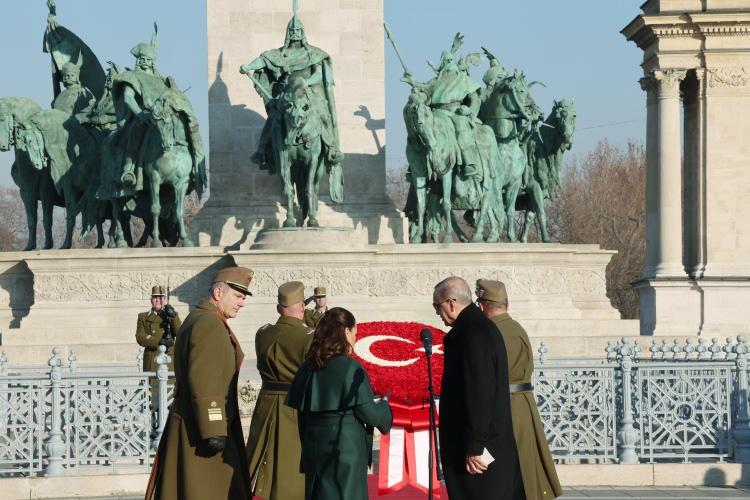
[113, 145]
[486, 150]
[300, 139]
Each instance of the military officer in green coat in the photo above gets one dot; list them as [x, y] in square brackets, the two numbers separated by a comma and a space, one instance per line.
[151, 328]
[202, 451]
[337, 412]
[273, 444]
[312, 316]
[540, 480]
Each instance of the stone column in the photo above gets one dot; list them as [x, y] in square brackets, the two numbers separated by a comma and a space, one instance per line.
[649, 85]
[694, 173]
[669, 243]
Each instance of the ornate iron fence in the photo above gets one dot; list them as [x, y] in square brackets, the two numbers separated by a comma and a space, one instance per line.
[688, 401]
[71, 417]
[685, 401]
[577, 408]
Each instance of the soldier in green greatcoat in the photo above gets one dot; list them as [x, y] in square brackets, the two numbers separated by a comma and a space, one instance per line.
[149, 332]
[540, 480]
[312, 316]
[337, 412]
[273, 444]
[202, 451]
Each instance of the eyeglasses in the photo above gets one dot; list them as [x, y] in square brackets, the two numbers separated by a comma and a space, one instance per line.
[436, 305]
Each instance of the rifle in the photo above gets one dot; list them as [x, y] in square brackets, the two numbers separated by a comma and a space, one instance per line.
[167, 313]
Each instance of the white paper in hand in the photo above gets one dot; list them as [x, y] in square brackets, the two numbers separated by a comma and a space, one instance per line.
[487, 458]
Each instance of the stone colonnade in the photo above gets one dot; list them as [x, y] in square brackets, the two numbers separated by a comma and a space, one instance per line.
[696, 278]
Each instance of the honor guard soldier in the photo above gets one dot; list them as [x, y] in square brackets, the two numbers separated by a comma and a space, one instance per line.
[312, 316]
[273, 443]
[202, 451]
[538, 472]
[157, 326]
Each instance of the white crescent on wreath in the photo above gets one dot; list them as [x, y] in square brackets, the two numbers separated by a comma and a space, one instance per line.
[362, 348]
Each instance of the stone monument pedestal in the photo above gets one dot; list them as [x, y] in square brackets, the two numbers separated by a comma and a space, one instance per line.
[88, 300]
[707, 307]
[675, 299]
[317, 238]
[371, 220]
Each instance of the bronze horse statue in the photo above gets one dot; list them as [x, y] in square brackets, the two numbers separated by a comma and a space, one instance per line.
[173, 165]
[433, 153]
[298, 153]
[507, 109]
[55, 158]
[545, 148]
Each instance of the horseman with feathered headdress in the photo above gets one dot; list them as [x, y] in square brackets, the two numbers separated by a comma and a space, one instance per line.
[135, 94]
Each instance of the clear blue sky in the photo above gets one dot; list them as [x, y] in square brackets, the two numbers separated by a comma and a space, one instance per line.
[574, 47]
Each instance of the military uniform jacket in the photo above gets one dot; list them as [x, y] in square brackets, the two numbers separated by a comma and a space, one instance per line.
[312, 317]
[537, 468]
[337, 414]
[207, 363]
[273, 444]
[148, 334]
[475, 411]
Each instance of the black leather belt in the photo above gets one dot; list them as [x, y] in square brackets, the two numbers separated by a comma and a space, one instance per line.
[275, 386]
[514, 388]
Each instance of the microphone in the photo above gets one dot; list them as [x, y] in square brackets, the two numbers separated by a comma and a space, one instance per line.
[426, 336]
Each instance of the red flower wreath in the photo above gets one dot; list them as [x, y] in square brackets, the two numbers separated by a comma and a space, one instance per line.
[392, 354]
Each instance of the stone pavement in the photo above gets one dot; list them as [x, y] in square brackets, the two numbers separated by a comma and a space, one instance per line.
[692, 493]
[608, 493]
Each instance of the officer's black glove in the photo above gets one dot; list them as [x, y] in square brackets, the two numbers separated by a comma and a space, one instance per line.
[215, 444]
[166, 342]
[169, 311]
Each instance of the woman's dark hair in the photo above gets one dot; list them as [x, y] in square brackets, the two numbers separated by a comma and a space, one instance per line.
[329, 339]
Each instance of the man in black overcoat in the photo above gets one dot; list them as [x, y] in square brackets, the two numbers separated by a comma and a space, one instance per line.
[475, 416]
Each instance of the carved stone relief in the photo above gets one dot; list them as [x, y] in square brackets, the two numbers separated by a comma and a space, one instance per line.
[385, 282]
[727, 77]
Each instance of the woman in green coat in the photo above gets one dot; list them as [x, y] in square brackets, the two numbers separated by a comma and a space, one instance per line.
[336, 412]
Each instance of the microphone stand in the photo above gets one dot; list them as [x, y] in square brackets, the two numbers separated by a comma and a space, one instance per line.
[433, 448]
